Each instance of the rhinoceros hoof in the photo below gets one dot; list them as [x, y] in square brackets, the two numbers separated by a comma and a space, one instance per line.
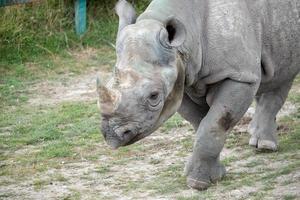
[253, 141]
[262, 145]
[196, 184]
[202, 183]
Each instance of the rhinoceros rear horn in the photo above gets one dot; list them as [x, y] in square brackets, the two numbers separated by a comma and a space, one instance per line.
[174, 33]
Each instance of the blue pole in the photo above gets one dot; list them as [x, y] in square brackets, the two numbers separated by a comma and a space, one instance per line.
[80, 17]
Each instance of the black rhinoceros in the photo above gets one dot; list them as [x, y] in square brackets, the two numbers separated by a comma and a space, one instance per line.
[207, 60]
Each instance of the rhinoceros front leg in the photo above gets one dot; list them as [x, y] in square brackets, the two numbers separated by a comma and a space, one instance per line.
[263, 125]
[231, 100]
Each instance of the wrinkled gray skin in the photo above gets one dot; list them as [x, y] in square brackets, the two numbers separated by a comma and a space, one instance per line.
[208, 60]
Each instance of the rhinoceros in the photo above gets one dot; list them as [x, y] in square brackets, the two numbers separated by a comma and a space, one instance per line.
[207, 60]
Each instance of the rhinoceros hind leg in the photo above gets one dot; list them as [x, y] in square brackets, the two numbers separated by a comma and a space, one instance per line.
[263, 125]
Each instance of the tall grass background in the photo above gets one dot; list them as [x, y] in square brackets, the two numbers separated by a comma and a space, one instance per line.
[34, 30]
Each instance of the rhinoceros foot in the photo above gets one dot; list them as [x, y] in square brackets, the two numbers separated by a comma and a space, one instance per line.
[263, 135]
[196, 184]
[261, 144]
[201, 175]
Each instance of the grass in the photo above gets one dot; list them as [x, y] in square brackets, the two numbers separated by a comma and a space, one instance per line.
[168, 181]
[75, 196]
[39, 126]
[54, 22]
[290, 197]
[46, 28]
[39, 184]
[103, 169]
[175, 122]
[53, 134]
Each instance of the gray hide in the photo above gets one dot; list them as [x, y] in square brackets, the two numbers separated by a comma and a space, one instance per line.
[208, 60]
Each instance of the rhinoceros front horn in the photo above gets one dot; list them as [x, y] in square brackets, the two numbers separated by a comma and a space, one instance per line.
[108, 99]
[174, 33]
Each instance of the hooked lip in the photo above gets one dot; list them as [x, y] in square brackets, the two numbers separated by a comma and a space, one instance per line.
[117, 144]
[134, 139]
[113, 144]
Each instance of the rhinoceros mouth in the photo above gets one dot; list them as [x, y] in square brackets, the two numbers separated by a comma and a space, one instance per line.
[115, 144]
[133, 140]
[139, 137]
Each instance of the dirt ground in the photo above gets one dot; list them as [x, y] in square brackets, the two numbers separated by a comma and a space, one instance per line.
[154, 168]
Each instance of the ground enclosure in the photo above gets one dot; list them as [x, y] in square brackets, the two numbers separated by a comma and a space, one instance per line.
[51, 146]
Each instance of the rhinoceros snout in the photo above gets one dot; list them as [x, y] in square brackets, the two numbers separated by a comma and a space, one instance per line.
[116, 135]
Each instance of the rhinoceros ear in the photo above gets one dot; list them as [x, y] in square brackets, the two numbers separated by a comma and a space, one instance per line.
[126, 13]
[174, 33]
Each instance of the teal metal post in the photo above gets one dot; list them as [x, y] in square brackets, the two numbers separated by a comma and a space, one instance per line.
[80, 17]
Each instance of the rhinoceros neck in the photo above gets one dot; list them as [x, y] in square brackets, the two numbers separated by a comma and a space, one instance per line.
[183, 10]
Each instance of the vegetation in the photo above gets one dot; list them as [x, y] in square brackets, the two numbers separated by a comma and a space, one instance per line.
[46, 28]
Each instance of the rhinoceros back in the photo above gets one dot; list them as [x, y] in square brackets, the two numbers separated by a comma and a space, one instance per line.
[275, 24]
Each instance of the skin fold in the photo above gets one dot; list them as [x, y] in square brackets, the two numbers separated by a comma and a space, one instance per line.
[207, 60]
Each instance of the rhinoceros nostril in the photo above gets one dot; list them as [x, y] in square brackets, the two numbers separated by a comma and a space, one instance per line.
[127, 132]
[121, 132]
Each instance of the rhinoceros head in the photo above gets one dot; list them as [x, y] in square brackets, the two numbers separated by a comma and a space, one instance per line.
[148, 82]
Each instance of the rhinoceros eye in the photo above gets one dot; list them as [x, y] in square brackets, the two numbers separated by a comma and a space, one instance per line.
[154, 99]
[154, 96]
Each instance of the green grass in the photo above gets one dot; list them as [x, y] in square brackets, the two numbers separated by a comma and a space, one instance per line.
[53, 133]
[103, 169]
[38, 184]
[30, 31]
[229, 160]
[290, 197]
[169, 181]
[283, 171]
[74, 196]
[60, 149]
[46, 28]
[174, 122]
[39, 126]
